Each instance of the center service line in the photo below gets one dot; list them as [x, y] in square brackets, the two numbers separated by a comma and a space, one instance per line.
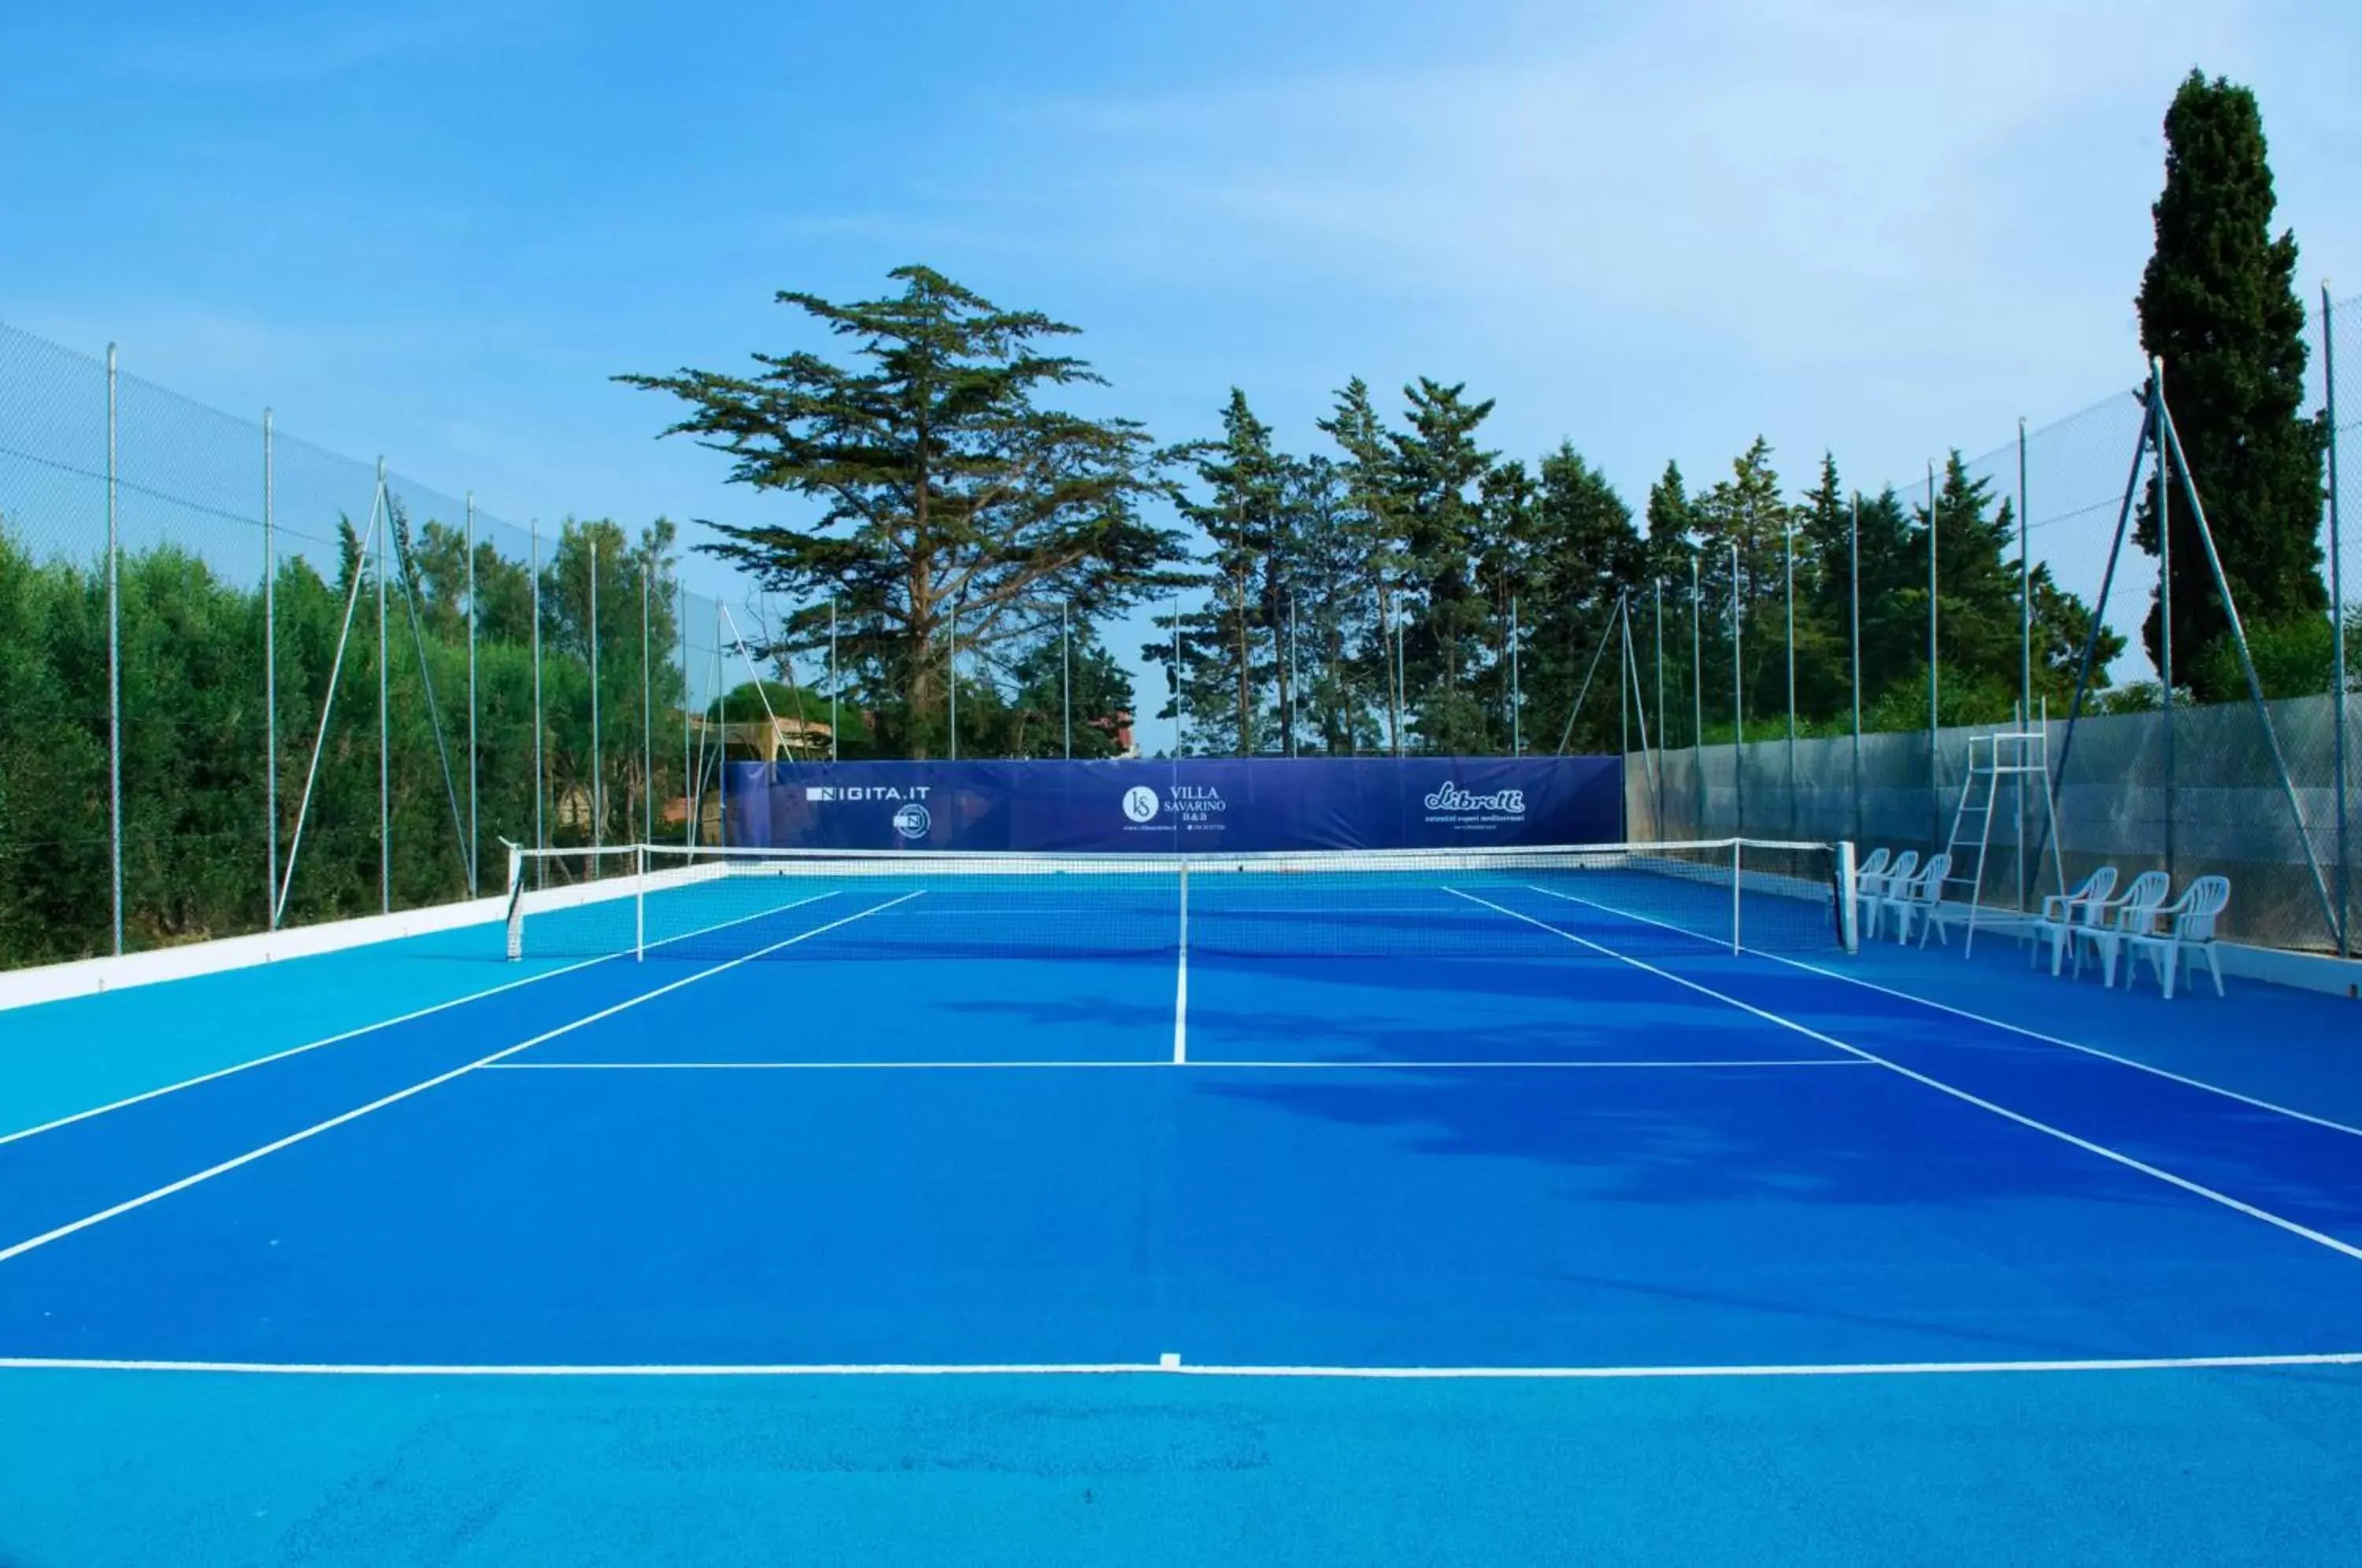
[251, 1155]
[1181, 981]
[2184, 1182]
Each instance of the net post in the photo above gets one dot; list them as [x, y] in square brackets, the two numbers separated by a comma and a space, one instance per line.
[1849, 933]
[639, 902]
[1735, 874]
[516, 902]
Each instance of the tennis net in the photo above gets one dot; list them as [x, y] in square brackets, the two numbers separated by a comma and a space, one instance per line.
[708, 903]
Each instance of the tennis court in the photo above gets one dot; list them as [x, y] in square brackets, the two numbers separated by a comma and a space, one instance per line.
[1527, 1129]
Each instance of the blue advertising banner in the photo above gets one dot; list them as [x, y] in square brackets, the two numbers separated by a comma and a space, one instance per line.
[1209, 805]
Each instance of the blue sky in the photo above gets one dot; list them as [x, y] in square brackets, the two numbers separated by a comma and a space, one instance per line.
[434, 231]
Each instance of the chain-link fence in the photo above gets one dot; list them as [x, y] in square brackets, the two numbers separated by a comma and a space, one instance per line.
[247, 682]
[2266, 796]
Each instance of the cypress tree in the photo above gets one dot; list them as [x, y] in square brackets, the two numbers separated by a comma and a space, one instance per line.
[2218, 306]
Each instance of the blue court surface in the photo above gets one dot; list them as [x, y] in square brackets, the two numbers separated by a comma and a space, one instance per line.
[1471, 1219]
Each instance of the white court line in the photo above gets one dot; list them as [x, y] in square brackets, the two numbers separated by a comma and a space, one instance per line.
[372, 1028]
[2275, 1108]
[168, 1189]
[1175, 1368]
[2184, 1182]
[1202, 1063]
[1181, 981]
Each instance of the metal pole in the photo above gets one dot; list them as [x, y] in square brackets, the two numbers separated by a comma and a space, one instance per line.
[598, 781]
[951, 661]
[722, 753]
[832, 677]
[1582, 693]
[688, 824]
[540, 830]
[1788, 572]
[2024, 651]
[1402, 680]
[1066, 675]
[2025, 595]
[384, 751]
[2247, 662]
[1853, 588]
[1517, 691]
[2339, 692]
[648, 706]
[1657, 590]
[2165, 615]
[1622, 720]
[270, 672]
[1295, 681]
[2149, 428]
[1738, 706]
[1177, 743]
[114, 663]
[1698, 691]
[475, 882]
[1935, 675]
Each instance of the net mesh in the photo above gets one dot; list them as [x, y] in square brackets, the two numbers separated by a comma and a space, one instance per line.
[708, 904]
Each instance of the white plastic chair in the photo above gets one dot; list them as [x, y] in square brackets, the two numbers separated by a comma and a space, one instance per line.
[2184, 925]
[2061, 913]
[1917, 896]
[2112, 920]
[1877, 887]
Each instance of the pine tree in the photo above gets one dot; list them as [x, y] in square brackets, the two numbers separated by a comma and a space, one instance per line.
[1246, 480]
[1586, 553]
[943, 484]
[1440, 467]
[1374, 509]
[2219, 307]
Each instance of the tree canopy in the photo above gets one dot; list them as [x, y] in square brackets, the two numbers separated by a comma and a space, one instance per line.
[949, 508]
[2219, 307]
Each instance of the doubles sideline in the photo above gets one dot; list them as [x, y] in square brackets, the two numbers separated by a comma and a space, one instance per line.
[411, 1016]
[225, 1166]
[1939, 1085]
[2002, 1024]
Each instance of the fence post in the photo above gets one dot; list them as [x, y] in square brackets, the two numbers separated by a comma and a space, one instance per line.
[832, 687]
[2165, 617]
[1697, 693]
[1657, 631]
[270, 677]
[384, 751]
[648, 706]
[1738, 706]
[2339, 694]
[689, 786]
[1788, 573]
[1853, 583]
[540, 830]
[1065, 672]
[598, 772]
[113, 665]
[475, 856]
[1935, 675]
[2025, 650]
[722, 753]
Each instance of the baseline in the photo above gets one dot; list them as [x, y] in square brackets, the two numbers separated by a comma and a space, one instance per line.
[1203, 1066]
[1170, 1365]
